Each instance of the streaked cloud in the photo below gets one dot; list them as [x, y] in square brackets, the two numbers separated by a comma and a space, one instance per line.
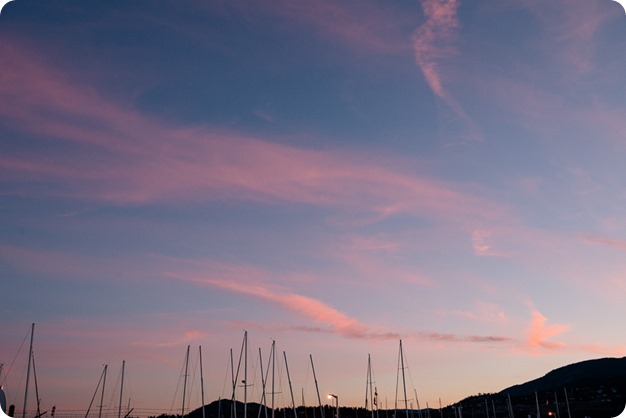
[133, 159]
[433, 43]
[606, 241]
[308, 307]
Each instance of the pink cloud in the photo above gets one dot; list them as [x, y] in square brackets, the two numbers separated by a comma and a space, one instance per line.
[324, 318]
[482, 244]
[313, 309]
[539, 333]
[433, 42]
[120, 156]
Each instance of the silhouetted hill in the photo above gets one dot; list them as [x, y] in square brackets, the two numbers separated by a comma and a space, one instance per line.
[594, 388]
[597, 372]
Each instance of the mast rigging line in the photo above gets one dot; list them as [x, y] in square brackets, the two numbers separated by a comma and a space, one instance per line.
[19, 350]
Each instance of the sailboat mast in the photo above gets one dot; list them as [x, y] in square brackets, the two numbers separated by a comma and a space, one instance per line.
[95, 392]
[233, 409]
[406, 401]
[263, 385]
[182, 414]
[537, 402]
[556, 404]
[317, 389]
[30, 356]
[273, 372]
[367, 384]
[417, 401]
[369, 387]
[37, 388]
[119, 410]
[104, 381]
[245, 375]
[569, 414]
[201, 380]
[440, 409]
[293, 402]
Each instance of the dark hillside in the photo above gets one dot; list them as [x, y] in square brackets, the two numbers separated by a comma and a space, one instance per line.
[594, 388]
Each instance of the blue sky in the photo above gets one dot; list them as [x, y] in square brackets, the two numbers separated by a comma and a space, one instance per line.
[332, 175]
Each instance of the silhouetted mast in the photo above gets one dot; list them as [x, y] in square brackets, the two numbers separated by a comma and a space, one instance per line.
[556, 404]
[511, 406]
[401, 366]
[317, 389]
[182, 414]
[263, 385]
[245, 375]
[233, 409]
[119, 410]
[537, 402]
[273, 372]
[30, 356]
[36, 389]
[293, 402]
[368, 389]
[201, 380]
[569, 414]
[104, 381]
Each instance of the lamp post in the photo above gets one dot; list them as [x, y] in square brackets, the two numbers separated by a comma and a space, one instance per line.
[330, 396]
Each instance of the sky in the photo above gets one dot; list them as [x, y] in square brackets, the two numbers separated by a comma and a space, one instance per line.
[335, 176]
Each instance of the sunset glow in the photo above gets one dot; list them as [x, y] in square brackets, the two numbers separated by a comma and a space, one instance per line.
[334, 176]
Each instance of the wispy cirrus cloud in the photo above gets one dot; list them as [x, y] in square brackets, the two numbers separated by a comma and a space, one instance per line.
[570, 31]
[325, 318]
[483, 312]
[606, 241]
[113, 153]
[459, 338]
[434, 42]
[310, 308]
